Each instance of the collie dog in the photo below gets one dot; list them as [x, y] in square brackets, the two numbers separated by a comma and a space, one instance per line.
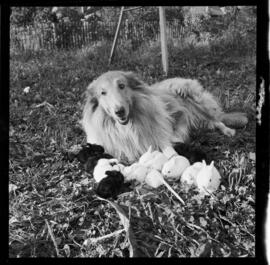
[126, 116]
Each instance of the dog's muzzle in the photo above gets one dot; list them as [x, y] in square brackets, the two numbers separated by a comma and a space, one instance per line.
[124, 121]
[122, 117]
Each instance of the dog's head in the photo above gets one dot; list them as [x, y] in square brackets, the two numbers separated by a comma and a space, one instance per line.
[113, 92]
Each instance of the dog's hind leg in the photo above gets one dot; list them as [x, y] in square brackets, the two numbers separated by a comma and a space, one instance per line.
[209, 111]
[223, 128]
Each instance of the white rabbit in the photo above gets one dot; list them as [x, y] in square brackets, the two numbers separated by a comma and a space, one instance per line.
[208, 178]
[157, 162]
[102, 166]
[135, 171]
[190, 173]
[146, 156]
[174, 168]
[169, 152]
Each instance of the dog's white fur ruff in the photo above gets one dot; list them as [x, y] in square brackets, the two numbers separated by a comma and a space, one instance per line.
[158, 115]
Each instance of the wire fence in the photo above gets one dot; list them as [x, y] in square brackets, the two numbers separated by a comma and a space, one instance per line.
[77, 35]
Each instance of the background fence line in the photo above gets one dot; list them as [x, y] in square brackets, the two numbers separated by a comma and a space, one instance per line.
[76, 35]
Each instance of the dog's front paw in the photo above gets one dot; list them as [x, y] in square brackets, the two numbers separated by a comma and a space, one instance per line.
[179, 88]
[183, 91]
[229, 132]
[187, 88]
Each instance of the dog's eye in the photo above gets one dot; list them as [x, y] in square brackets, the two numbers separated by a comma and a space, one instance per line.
[103, 93]
[121, 86]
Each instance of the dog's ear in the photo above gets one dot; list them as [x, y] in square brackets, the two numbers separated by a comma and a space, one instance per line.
[134, 82]
[90, 90]
[91, 96]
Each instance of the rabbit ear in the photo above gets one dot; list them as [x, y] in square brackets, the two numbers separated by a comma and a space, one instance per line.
[212, 164]
[149, 149]
[204, 164]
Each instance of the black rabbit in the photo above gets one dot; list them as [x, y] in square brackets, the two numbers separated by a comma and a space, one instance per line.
[110, 186]
[89, 150]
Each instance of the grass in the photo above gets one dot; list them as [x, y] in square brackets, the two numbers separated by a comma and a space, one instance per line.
[53, 208]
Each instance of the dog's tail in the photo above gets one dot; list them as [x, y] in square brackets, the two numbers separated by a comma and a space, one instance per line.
[234, 120]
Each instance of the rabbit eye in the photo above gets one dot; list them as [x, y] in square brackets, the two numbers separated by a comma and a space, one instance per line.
[103, 93]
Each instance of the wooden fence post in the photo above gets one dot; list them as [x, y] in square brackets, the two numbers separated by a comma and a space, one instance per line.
[163, 40]
[116, 35]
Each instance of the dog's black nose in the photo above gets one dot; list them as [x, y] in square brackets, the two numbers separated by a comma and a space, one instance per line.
[120, 112]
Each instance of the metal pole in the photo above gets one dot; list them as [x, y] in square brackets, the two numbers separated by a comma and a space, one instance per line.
[163, 39]
[130, 9]
[116, 35]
